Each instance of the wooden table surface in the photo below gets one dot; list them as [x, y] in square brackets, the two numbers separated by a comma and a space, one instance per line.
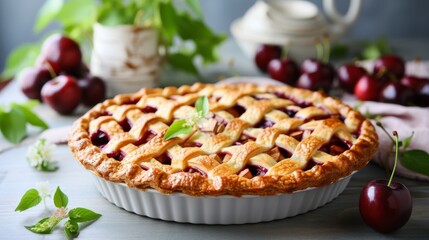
[338, 219]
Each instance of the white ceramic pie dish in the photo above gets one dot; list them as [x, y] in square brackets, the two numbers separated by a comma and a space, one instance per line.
[224, 210]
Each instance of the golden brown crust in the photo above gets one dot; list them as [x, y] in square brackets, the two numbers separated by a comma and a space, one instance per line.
[142, 166]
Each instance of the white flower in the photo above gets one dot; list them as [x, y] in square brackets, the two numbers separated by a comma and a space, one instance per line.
[60, 213]
[39, 155]
[44, 189]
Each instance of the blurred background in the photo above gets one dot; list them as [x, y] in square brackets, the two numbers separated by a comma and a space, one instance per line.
[394, 19]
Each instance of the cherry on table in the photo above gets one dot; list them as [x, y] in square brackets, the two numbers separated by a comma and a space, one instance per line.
[93, 90]
[62, 53]
[31, 81]
[62, 94]
[413, 82]
[423, 97]
[284, 70]
[265, 53]
[390, 64]
[397, 93]
[314, 81]
[349, 75]
[367, 88]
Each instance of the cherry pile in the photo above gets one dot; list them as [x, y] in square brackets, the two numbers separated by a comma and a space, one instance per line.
[387, 83]
[313, 74]
[60, 78]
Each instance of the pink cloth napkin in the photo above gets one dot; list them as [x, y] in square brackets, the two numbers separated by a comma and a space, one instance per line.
[404, 120]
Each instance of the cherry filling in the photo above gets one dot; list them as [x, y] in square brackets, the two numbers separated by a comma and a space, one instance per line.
[264, 124]
[335, 146]
[291, 113]
[190, 169]
[257, 170]
[125, 124]
[164, 158]
[118, 155]
[99, 138]
[236, 111]
[147, 136]
[285, 153]
[191, 144]
[149, 109]
[310, 164]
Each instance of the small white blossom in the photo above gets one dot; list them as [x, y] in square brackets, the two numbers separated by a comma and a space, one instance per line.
[60, 213]
[44, 189]
[39, 155]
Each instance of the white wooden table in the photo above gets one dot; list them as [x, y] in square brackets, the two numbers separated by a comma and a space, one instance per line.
[337, 220]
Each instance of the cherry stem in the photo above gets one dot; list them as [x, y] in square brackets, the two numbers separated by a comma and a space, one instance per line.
[285, 50]
[382, 127]
[50, 69]
[396, 157]
[327, 48]
[319, 50]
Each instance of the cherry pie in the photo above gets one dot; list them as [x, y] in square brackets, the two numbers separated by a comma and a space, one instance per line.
[256, 140]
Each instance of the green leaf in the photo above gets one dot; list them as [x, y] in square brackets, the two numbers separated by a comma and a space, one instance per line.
[169, 20]
[416, 160]
[30, 199]
[60, 199]
[183, 62]
[376, 48]
[407, 141]
[83, 215]
[339, 51]
[45, 226]
[71, 229]
[20, 58]
[195, 6]
[176, 128]
[202, 106]
[78, 13]
[47, 13]
[48, 166]
[30, 116]
[13, 125]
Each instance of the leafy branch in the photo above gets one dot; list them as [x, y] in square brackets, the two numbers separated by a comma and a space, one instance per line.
[415, 160]
[33, 197]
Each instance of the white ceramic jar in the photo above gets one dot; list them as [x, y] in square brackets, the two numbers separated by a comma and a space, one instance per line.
[126, 57]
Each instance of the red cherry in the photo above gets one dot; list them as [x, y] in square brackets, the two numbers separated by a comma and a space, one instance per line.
[349, 75]
[284, 70]
[265, 53]
[314, 81]
[311, 65]
[391, 64]
[397, 93]
[413, 82]
[367, 88]
[31, 81]
[385, 208]
[423, 97]
[62, 53]
[93, 90]
[62, 94]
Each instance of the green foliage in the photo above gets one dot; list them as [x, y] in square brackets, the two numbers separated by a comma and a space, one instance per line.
[182, 30]
[13, 124]
[30, 199]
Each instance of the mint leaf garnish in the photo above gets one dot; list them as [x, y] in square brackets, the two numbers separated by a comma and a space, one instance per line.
[416, 160]
[30, 199]
[45, 225]
[202, 106]
[71, 229]
[176, 128]
[60, 199]
[83, 215]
